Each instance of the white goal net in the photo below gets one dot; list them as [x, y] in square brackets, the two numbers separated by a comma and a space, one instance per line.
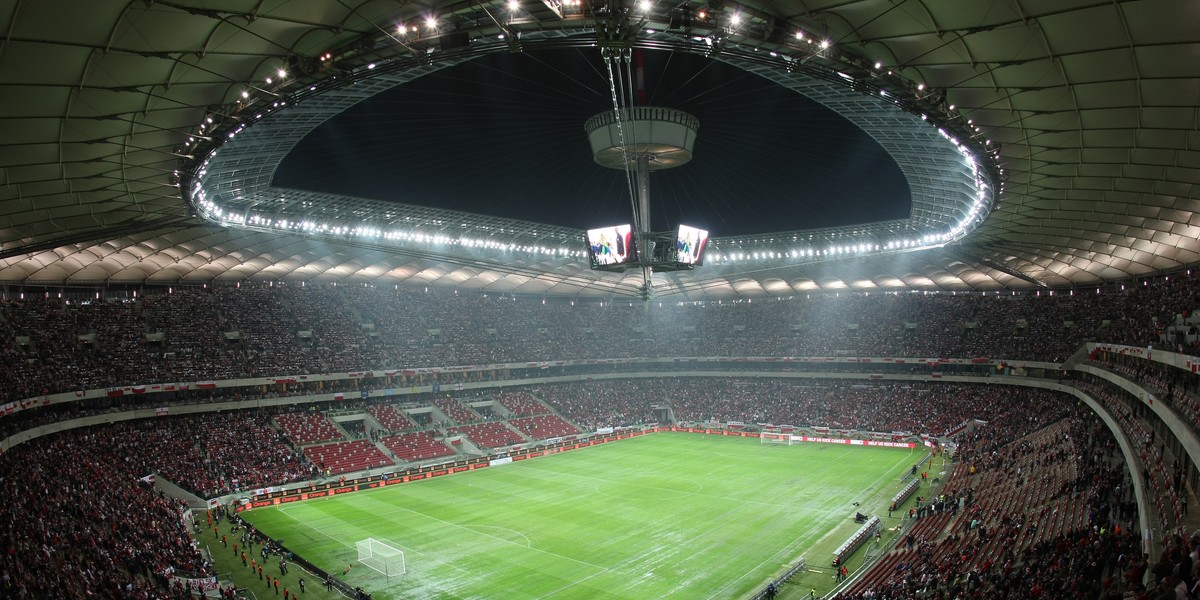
[381, 557]
[773, 437]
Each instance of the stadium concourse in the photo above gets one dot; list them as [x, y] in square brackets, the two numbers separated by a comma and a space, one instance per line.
[83, 504]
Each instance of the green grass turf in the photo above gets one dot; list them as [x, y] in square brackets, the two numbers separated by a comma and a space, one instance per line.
[669, 515]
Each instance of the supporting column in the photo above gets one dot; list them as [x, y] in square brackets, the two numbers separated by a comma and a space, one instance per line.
[645, 241]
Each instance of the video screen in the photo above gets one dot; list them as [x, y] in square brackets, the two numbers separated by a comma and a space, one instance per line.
[612, 245]
[689, 245]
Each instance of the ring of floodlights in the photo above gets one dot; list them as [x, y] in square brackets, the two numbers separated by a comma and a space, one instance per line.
[952, 174]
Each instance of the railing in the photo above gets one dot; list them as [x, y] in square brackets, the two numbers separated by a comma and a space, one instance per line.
[643, 113]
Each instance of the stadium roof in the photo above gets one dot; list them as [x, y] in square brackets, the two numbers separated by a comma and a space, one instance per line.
[1090, 107]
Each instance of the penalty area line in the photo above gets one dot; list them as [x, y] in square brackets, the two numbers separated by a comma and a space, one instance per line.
[348, 545]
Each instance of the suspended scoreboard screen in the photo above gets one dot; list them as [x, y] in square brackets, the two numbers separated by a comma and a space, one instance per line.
[689, 245]
[611, 247]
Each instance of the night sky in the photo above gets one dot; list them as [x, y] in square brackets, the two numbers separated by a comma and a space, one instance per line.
[503, 135]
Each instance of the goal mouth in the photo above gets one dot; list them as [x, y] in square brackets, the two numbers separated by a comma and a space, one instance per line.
[774, 437]
[382, 557]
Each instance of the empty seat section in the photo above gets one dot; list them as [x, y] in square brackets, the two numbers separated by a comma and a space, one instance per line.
[307, 428]
[544, 427]
[344, 457]
[489, 435]
[416, 446]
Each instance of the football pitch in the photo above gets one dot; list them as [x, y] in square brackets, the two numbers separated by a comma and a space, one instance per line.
[668, 515]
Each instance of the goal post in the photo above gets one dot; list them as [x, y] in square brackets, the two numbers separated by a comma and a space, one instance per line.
[381, 557]
[774, 437]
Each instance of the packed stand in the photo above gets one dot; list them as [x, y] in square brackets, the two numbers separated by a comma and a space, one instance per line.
[268, 320]
[79, 522]
[932, 408]
[520, 403]
[334, 326]
[54, 344]
[193, 346]
[218, 453]
[602, 403]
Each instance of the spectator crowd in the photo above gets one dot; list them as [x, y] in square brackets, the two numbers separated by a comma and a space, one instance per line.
[80, 505]
[1038, 509]
[52, 344]
[81, 519]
